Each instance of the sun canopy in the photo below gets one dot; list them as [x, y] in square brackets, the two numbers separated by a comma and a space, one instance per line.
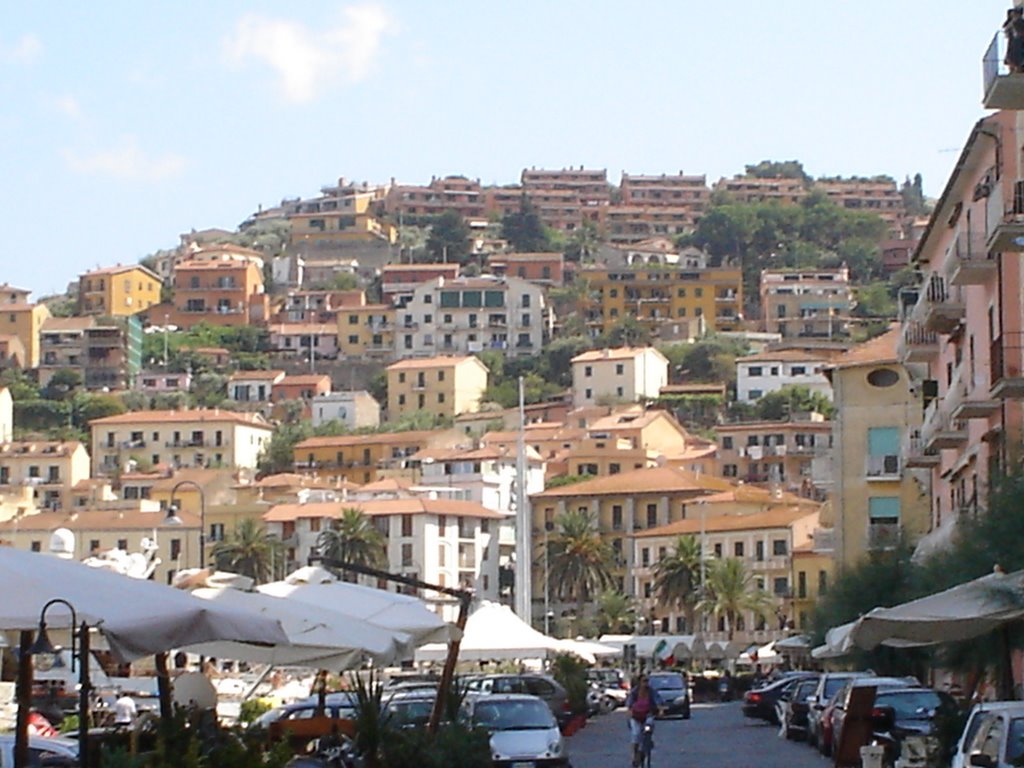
[837, 643]
[963, 612]
[319, 588]
[137, 617]
[494, 632]
[320, 639]
[682, 646]
[588, 650]
[799, 643]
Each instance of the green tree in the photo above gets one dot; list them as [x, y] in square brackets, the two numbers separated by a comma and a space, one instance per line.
[63, 384]
[250, 551]
[583, 242]
[209, 389]
[712, 359]
[344, 281]
[914, 201]
[626, 332]
[791, 400]
[774, 169]
[875, 300]
[524, 230]
[677, 578]
[449, 239]
[731, 590]
[616, 613]
[19, 384]
[279, 454]
[579, 560]
[352, 538]
[88, 407]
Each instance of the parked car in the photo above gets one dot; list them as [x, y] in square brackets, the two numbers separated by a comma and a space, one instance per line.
[523, 730]
[338, 706]
[760, 702]
[842, 697]
[828, 686]
[793, 707]
[673, 691]
[41, 752]
[543, 687]
[902, 713]
[613, 685]
[975, 719]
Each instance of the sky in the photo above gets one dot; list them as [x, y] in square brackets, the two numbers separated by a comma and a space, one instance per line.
[125, 124]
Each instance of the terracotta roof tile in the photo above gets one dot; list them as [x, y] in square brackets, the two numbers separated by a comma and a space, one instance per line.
[377, 507]
[881, 349]
[95, 519]
[256, 375]
[649, 480]
[431, 362]
[776, 518]
[620, 353]
[172, 417]
[374, 438]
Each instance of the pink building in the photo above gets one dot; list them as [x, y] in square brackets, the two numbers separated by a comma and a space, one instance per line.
[965, 335]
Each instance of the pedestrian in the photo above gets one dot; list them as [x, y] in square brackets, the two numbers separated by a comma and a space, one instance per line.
[125, 710]
[1013, 28]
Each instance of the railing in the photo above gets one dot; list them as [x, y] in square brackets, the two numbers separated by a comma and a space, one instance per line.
[883, 466]
[916, 335]
[992, 62]
[133, 444]
[1003, 365]
[971, 247]
[936, 290]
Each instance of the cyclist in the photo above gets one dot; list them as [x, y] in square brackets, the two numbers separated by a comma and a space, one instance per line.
[642, 703]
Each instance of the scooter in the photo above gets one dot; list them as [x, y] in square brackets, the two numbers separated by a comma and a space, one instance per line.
[329, 752]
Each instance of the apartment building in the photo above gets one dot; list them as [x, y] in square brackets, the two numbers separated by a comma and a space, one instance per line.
[446, 542]
[24, 322]
[763, 541]
[962, 339]
[317, 306]
[253, 386]
[118, 291]
[485, 475]
[774, 454]
[106, 352]
[49, 468]
[766, 372]
[222, 292]
[450, 193]
[398, 282]
[546, 269]
[880, 196]
[661, 251]
[753, 189]
[196, 438]
[163, 382]
[668, 190]
[114, 524]
[301, 386]
[627, 224]
[6, 415]
[806, 303]
[591, 185]
[297, 339]
[813, 573]
[355, 410]
[12, 352]
[626, 374]
[620, 505]
[466, 315]
[360, 458]
[9, 294]
[879, 495]
[662, 297]
[443, 386]
[367, 332]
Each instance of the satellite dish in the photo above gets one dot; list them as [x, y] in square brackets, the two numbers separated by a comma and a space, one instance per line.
[194, 689]
[62, 543]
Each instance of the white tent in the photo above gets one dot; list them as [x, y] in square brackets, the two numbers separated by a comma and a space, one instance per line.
[588, 650]
[319, 639]
[796, 643]
[963, 612]
[137, 617]
[319, 588]
[494, 632]
[683, 646]
[837, 643]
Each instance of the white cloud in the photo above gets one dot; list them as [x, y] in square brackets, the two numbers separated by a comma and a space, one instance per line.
[23, 50]
[126, 161]
[68, 106]
[307, 60]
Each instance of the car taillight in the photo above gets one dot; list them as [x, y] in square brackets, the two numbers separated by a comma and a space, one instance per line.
[754, 697]
[624, 685]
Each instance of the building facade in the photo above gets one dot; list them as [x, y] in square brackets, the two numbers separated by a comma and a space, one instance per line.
[356, 410]
[626, 374]
[443, 386]
[806, 303]
[118, 291]
[766, 372]
[50, 469]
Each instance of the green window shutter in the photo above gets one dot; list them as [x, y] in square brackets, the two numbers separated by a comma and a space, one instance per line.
[884, 509]
[449, 298]
[471, 299]
[494, 299]
[883, 441]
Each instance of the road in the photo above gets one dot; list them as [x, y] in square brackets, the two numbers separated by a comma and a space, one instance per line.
[716, 735]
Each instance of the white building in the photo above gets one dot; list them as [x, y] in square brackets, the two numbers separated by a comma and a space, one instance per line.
[253, 386]
[626, 374]
[6, 415]
[483, 475]
[446, 542]
[354, 409]
[767, 372]
[465, 315]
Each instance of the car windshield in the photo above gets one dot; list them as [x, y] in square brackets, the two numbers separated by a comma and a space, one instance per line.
[832, 686]
[1015, 741]
[411, 712]
[910, 704]
[520, 715]
[666, 682]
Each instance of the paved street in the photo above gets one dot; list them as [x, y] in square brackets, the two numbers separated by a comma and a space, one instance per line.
[716, 735]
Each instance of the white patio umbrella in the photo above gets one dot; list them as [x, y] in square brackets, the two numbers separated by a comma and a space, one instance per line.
[320, 639]
[317, 587]
[588, 650]
[837, 643]
[137, 617]
[494, 632]
[963, 612]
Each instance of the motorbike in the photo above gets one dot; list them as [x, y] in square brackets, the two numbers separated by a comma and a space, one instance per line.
[329, 752]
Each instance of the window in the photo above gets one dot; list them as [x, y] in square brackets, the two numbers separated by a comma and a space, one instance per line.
[754, 370]
[737, 549]
[645, 557]
[407, 525]
[614, 469]
[617, 517]
[588, 371]
[884, 510]
[619, 369]
[780, 586]
[440, 397]
[759, 550]
[801, 584]
[779, 547]
[406, 555]
[727, 443]
[652, 515]
[175, 549]
[730, 470]
[718, 550]
[798, 370]
[588, 394]
[401, 377]
[401, 399]
[526, 301]
[822, 582]
[755, 394]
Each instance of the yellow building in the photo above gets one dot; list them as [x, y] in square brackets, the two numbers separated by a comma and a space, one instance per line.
[812, 574]
[348, 220]
[360, 458]
[367, 331]
[443, 386]
[51, 469]
[662, 297]
[25, 321]
[117, 291]
[878, 501]
[621, 504]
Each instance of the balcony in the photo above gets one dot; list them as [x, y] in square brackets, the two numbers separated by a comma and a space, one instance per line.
[1007, 374]
[917, 455]
[968, 404]
[940, 431]
[1007, 235]
[1002, 89]
[885, 468]
[917, 344]
[942, 307]
[972, 262]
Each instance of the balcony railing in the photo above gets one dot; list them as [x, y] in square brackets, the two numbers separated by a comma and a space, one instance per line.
[1006, 355]
[972, 262]
[968, 403]
[917, 344]
[942, 306]
[941, 431]
[1003, 89]
[917, 454]
[883, 467]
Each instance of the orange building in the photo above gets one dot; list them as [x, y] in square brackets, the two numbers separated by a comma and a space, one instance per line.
[223, 293]
[542, 268]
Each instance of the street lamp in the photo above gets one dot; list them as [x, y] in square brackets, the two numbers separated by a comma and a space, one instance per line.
[172, 517]
[79, 652]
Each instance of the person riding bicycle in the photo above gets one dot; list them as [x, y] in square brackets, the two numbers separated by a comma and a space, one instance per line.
[643, 703]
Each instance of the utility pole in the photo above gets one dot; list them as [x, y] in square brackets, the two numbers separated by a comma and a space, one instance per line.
[524, 600]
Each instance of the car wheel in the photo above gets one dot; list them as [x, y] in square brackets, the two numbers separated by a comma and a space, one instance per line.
[825, 748]
[790, 734]
[686, 712]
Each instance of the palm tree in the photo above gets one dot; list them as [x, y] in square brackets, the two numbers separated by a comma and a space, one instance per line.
[579, 560]
[732, 590]
[677, 578]
[615, 613]
[352, 538]
[250, 551]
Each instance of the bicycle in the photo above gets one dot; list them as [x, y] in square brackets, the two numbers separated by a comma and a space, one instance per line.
[645, 747]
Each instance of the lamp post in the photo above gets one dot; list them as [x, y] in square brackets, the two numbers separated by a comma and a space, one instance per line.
[173, 519]
[79, 651]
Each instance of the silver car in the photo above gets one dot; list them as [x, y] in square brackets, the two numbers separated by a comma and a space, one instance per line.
[40, 751]
[523, 730]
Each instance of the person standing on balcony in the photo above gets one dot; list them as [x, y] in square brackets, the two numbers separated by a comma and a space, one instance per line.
[1013, 27]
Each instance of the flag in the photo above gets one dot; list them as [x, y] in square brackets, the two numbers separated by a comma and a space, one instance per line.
[663, 653]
